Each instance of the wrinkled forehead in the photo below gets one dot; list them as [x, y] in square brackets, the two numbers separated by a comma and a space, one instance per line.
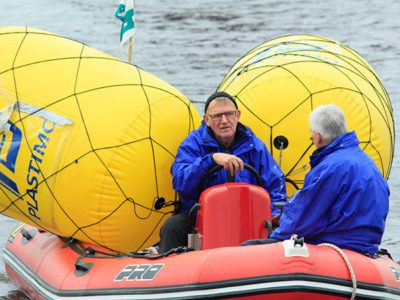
[220, 104]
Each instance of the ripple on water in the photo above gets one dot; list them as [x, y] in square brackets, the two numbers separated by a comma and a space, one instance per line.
[216, 33]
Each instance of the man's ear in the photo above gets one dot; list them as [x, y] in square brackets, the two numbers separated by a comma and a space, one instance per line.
[206, 119]
[239, 113]
[319, 139]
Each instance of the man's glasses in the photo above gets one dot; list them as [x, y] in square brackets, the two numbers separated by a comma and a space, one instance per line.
[228, 114]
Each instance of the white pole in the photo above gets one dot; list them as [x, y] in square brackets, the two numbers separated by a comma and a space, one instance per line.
[131, 41]
[130, 51]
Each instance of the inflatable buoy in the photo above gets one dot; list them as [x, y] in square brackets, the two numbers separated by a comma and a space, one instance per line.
[279, 82]
[87, 141]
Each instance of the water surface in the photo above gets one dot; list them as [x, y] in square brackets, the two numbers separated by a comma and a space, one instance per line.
[192, 44]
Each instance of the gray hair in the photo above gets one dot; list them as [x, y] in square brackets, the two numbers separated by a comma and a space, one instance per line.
[329, 121]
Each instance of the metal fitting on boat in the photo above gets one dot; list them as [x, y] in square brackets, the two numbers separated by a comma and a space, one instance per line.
[295, 247]
[194, 241]
[27, 235]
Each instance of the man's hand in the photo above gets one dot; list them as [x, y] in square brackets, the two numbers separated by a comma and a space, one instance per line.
[230, 162]
[275, 220]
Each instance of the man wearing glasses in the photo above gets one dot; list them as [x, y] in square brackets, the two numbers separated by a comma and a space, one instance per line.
[220, 140]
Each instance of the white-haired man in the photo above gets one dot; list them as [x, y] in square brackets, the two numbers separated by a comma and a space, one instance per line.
[345, 199]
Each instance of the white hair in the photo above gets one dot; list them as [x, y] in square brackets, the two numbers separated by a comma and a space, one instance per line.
[329, 121]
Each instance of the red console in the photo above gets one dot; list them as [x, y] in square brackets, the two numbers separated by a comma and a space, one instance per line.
[231, 213]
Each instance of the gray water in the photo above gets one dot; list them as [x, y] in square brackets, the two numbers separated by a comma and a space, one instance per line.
[192, 44]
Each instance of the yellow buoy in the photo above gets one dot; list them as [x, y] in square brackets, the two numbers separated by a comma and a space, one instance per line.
[279, 82]
[87, 141]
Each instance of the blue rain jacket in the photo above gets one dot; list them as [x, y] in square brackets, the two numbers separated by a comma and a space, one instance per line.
[344, 200]
[194, 159]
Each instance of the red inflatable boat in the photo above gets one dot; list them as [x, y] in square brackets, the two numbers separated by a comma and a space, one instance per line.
[46, 266]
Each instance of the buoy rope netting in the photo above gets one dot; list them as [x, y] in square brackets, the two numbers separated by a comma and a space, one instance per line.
[76, 99]
[287, 60]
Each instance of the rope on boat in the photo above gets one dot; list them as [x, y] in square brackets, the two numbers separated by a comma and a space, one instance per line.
[89, 252]
[349, 266]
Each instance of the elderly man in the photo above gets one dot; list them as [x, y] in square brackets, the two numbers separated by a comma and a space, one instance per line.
[220, 140]
[344, 200]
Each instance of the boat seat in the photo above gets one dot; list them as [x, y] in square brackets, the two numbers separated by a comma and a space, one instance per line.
[231, 213]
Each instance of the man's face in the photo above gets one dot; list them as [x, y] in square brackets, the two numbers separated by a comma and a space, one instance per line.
[222, 117]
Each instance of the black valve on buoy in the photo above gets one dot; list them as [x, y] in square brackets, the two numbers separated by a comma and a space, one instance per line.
[160, 203]
[280, 142]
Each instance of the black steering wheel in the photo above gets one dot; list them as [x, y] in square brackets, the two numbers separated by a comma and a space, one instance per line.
[292, 183]
[216, 168]
[253, 171]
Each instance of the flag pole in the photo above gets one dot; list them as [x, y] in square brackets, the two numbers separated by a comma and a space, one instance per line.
[130, 51]
[126, 13]
[131, 41]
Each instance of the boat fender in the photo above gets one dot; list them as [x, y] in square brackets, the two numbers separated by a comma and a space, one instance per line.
[295, 247]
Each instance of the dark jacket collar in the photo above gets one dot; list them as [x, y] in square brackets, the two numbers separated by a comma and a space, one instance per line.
[346, 140]
[241, 132]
